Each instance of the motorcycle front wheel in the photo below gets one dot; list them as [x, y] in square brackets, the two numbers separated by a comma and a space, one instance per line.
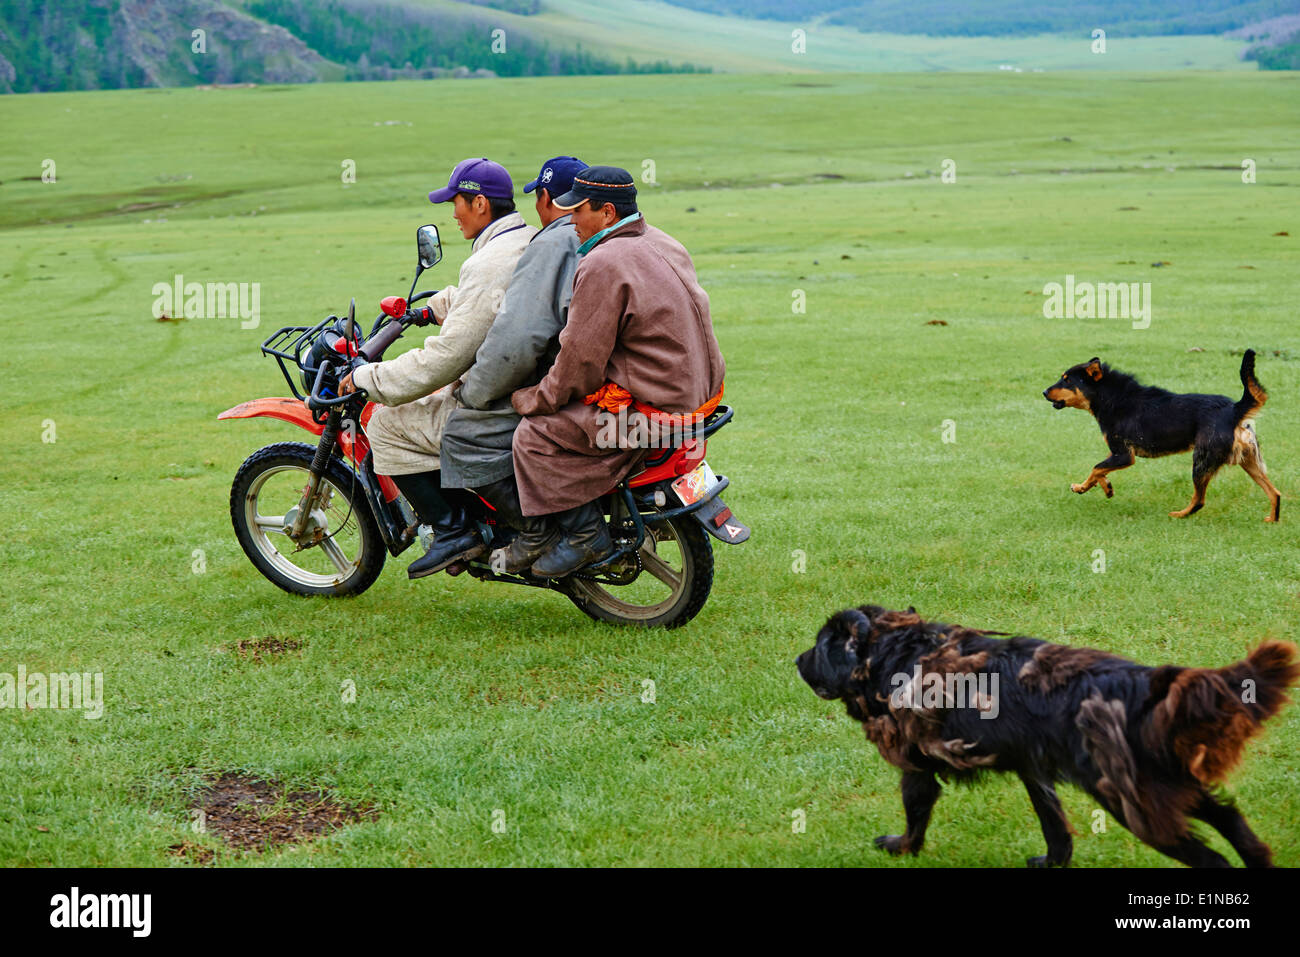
[676, 575]
[341, 551]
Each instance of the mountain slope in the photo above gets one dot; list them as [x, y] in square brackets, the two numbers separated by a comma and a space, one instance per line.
[93, 44]
[89, 44]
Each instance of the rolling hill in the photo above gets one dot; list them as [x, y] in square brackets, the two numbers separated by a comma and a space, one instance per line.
[95, 44]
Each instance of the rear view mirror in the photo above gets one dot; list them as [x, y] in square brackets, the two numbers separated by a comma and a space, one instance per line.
[429, 246]
[430, 252]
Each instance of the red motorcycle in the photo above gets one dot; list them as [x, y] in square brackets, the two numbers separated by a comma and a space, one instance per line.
[317, 519]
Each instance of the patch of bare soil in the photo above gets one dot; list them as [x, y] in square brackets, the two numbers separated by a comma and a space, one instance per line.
[270, 646]
[252, 815]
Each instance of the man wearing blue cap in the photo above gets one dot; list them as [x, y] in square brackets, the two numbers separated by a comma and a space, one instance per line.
[406, 432]
[518, 351]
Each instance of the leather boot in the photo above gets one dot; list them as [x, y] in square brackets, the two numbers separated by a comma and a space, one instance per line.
[456, 537]
[537, 535]
[586, 540]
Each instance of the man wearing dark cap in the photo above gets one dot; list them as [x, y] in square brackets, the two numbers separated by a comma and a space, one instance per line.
[638, 335]
[518, 351]
[406, 432]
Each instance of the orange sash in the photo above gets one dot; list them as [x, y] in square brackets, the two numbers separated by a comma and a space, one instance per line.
[612, 397]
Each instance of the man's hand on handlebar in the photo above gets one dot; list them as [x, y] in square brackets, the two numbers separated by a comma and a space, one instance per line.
[346, 385]
[422, 316]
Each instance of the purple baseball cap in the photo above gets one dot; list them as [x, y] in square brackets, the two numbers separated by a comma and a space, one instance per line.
[476, 175]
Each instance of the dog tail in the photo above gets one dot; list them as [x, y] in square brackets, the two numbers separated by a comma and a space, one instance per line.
[1203, 717]
[1253, 399]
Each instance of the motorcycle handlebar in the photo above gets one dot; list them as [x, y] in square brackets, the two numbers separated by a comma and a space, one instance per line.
[316, 402]
[315, 399]
[374, 347]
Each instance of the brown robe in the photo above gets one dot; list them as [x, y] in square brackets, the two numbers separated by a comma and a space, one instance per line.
[638, 318]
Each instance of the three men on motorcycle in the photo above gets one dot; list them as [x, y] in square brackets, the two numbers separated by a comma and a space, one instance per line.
[602, 314]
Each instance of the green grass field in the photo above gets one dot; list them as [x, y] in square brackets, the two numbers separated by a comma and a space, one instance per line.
[473, 698]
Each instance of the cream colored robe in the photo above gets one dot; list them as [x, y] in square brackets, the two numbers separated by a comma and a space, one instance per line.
[415, 388]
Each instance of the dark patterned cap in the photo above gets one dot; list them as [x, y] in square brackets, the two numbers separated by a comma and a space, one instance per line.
[601, 185]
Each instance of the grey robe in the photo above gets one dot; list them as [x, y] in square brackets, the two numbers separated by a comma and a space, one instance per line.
[518, 351]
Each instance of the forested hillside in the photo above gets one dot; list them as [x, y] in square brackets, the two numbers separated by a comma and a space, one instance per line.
[379, 40]
[104, 44]
[50, 45]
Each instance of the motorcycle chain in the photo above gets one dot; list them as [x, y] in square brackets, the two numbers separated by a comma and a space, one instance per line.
[625, 578]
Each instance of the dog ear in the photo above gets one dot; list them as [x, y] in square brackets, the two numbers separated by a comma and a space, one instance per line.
[1094, 369]
[857, 629]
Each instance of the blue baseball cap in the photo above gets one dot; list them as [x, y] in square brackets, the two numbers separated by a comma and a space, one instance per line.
[556, 176]
[476, 176]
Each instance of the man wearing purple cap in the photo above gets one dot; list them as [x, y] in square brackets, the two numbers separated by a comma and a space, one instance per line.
[413, 389]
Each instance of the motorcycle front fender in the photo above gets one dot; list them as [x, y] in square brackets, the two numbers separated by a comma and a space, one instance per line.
[295, 412]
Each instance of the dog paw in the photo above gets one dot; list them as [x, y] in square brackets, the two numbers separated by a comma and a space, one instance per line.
[893, 843]
[1110, 492]
[1042, 860]
[1078, 488]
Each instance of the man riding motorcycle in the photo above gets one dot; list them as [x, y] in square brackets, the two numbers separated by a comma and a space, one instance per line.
[406, 433]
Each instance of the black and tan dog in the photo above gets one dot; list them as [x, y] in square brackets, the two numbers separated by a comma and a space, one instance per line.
[1149, 744]
[1142, 420]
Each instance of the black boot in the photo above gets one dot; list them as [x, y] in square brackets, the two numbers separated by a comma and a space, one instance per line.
[536, 535]
[586, 540]
[456, 537]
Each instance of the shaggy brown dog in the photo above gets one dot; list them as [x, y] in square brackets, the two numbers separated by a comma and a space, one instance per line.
[1148, 744]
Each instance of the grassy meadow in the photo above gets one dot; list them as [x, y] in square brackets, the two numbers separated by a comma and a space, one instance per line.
[890, 445]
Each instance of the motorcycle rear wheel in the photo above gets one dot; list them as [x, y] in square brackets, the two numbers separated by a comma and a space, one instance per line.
[676, 577]
[346, 561]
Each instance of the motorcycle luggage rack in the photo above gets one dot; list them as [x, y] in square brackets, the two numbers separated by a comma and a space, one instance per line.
[289, 342]
[715, 420]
